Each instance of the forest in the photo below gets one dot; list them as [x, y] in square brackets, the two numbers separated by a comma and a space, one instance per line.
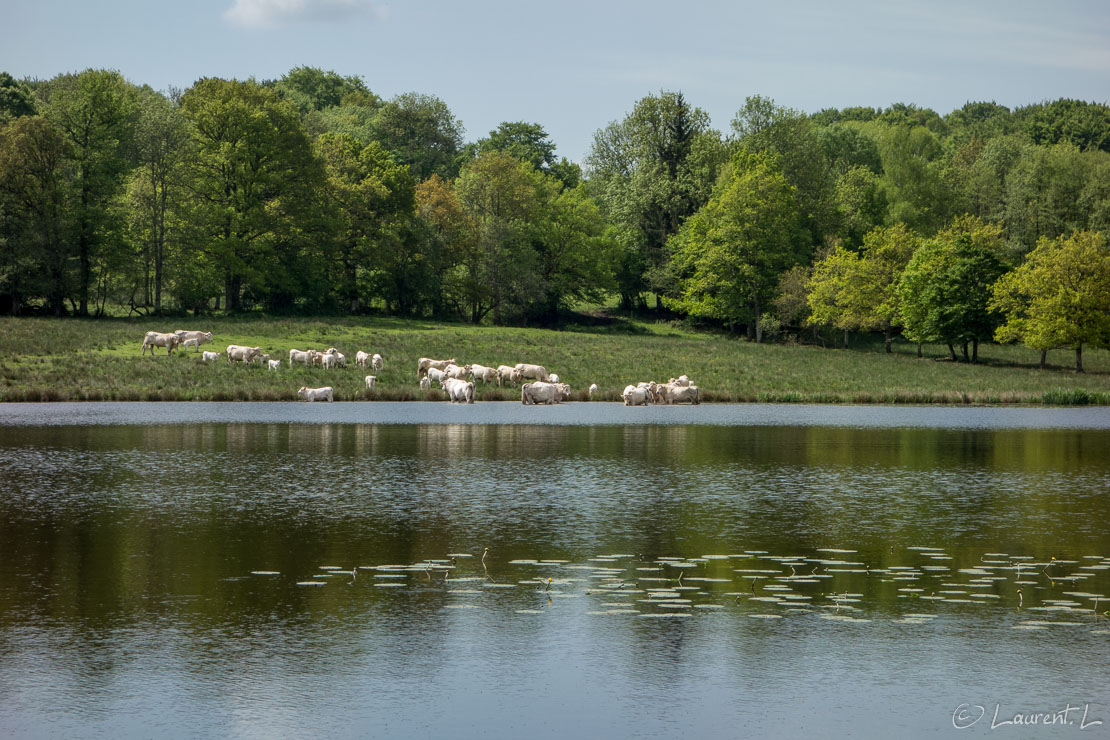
[312, 195]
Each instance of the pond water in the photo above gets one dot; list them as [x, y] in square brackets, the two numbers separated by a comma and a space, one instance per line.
[428, 570]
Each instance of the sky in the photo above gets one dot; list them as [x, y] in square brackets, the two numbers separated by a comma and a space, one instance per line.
[574, 66]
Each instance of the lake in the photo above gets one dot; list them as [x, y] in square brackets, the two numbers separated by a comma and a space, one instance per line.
[587, 570]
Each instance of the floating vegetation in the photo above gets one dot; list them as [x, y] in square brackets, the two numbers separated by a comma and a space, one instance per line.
[790, 585]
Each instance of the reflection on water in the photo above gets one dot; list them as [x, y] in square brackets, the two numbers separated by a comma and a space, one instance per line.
[872, 573]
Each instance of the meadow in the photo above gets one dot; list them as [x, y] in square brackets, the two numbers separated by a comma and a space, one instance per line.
[45, 359]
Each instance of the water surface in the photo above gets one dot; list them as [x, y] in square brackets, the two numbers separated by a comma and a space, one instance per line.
[844, 570]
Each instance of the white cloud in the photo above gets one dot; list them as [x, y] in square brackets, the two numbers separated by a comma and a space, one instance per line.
[274, 13]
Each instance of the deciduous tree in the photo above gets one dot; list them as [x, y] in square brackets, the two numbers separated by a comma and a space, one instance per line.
[1059, 296]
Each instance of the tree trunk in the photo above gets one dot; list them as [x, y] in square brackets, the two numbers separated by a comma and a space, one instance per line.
[967, 358]
[919, 350]
[845, 339]
[159, 246]
[888, 337]
[83, 276]
[975, 351]
[1079, 357]
[1044, 358]
[952, 351]
[758, 327]
[232, 285]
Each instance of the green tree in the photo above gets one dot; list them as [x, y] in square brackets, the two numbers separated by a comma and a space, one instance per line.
[155, 186]
[452, 239]
[847, 146]
[530, 143]
[420, 131]
[16, 99]
[860, 202]
[850, 290]
[505, 199]
[649, 173]
[34, 251]
[371, 197]
[95, 110]
[833, 293]
[730, 254]
[575, 249]
[1084, 125]
[1043, 194]
[313, 89]
[912, 177]
[944, 292]
[1059, 296]
[763, 126]
[253, 176]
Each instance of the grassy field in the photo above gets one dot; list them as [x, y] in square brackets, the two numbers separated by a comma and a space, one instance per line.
[45, 359]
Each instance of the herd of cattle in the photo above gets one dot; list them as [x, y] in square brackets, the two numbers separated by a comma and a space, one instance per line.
[542, 387]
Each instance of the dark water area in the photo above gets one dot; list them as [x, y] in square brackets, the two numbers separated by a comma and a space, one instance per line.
[303, 570]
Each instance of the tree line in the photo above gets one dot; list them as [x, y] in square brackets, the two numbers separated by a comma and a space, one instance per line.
[312, 194]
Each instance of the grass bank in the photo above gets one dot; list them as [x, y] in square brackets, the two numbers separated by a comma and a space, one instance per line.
[44, 359]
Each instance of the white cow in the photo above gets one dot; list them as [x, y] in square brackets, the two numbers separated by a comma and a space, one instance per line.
[680, 394]
[185, 344]
[539, 392]
[424, 363]
[680, 380]
[297, 355]
[316, 394]
[341, 359]
[486, 374]
[457, 372]
[536, 372]
[593, 389]
[654, 390]
[552, 378]
[158, 339]
[436, 375]
[210, 356]
[370, 381]
[329, 361]
[425, 383]
[377, 362]
[239, 353]
[506, 373]
[459, 391]
[362, 359]
[274, 364]
[201, 337]
[635, 396]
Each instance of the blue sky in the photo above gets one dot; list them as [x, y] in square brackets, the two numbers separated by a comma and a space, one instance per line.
[574, 66]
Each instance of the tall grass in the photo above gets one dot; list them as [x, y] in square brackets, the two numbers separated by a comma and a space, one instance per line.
[69, 359]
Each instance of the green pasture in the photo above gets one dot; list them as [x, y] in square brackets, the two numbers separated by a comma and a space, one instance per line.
[43, 359]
